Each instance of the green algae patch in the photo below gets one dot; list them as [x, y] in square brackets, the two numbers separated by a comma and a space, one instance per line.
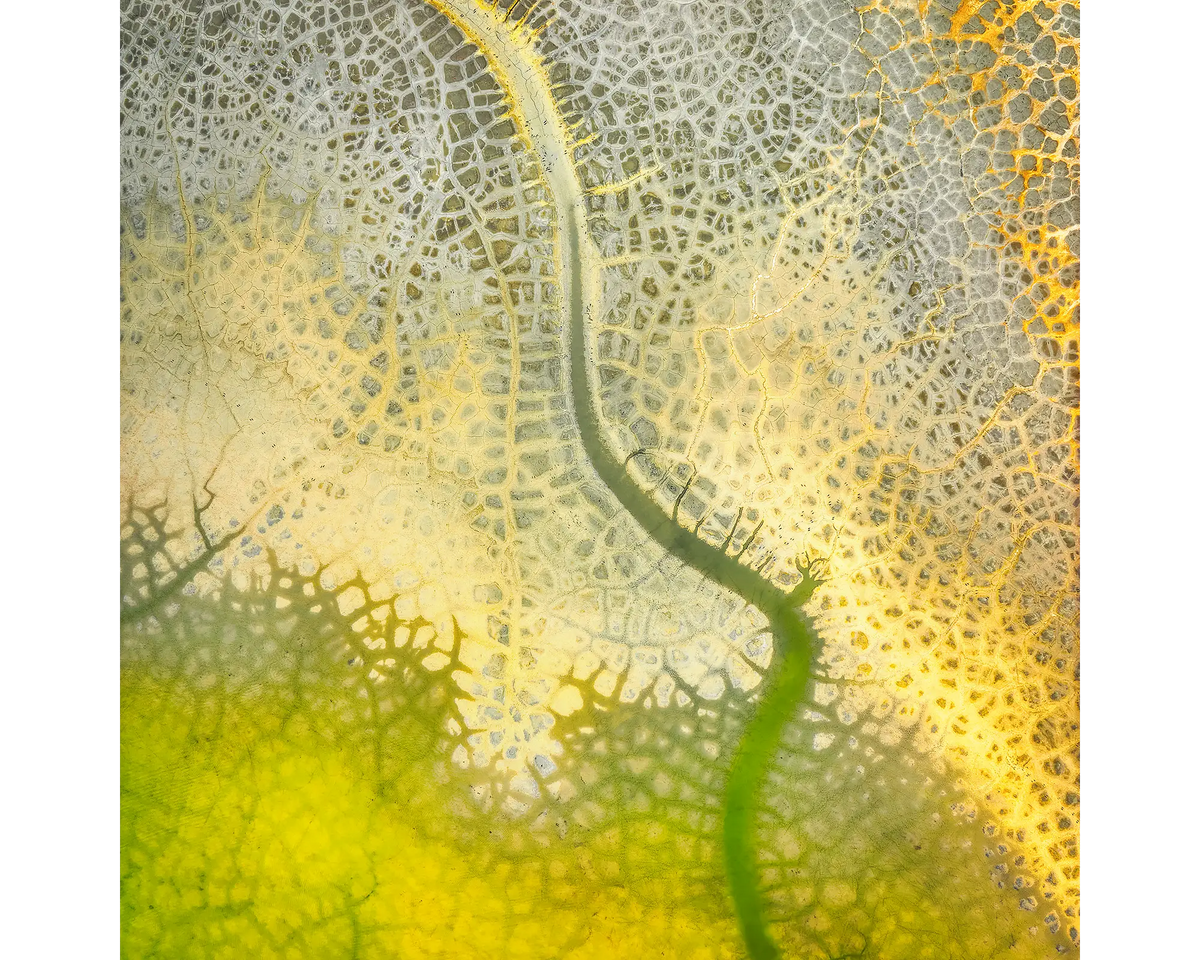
[246, 830]
[243, 830]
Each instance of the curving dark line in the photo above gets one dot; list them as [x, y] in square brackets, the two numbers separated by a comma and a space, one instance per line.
[516, 65]
[796, 639]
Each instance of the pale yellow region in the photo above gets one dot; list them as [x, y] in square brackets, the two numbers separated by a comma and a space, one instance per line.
[222, 402]
[228, 396]
[988, 691]
[773, 361]
[964, 685]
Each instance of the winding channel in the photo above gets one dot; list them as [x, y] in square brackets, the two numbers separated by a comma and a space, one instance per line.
[516, 66]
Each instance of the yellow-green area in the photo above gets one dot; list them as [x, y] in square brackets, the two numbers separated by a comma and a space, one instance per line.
[246, 831]
[275, 804]
[300, 780]
[281, 798]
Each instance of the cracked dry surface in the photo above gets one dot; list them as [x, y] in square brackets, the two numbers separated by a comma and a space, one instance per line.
[496, 384]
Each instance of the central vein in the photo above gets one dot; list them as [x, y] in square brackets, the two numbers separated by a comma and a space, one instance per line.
[518, 70]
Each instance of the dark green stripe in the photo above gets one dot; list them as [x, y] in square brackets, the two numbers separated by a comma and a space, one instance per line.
[794, 636]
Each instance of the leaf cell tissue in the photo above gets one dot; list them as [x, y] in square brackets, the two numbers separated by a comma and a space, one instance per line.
[599, 478]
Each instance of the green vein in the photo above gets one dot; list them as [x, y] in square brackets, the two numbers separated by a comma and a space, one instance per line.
[794, 635]
[512, 57]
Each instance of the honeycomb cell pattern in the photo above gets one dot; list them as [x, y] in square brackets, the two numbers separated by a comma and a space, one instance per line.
[406, 668]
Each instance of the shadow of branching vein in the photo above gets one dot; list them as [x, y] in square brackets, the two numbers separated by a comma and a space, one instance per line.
[517, 67]
[795, 638]
[832, 831]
